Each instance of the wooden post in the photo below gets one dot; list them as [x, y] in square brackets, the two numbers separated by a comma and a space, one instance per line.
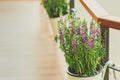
[71, 4]
[103, 29]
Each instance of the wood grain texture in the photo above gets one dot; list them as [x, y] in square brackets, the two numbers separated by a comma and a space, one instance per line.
[110, 21]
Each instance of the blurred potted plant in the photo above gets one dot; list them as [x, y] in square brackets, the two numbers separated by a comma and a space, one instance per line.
[54, 8]
[83, 48]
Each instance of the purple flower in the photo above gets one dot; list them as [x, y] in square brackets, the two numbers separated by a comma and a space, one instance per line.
[83, 40]
[90, 45]
[79, 31]
[90, 42]
[97, 32]
[92, 30]
[105, 36]
[74, 46]
[61, 36]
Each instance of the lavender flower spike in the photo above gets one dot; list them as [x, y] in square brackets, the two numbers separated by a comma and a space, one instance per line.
[61, 36]
[91, 42]
[83, 40]
[105, 36]
[90, 45]
[79, 31]
[74, 46]
[97, 32]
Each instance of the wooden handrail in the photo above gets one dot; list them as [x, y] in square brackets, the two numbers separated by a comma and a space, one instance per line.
[100, 14]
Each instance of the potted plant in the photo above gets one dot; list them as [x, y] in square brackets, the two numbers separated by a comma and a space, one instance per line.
[54, 8]
[83, 47]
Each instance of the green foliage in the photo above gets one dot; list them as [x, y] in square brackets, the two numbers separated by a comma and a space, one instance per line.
[84, 48]
[55, 7]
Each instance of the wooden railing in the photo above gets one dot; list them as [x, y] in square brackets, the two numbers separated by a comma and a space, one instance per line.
[100, 14]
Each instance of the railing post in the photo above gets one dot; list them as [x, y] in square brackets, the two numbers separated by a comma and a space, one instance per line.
[103, 29]
[71, 4]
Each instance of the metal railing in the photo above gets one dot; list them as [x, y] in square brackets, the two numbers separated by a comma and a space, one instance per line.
[114, 67]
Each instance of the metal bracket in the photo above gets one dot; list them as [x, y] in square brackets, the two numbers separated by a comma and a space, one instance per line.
[116, 68]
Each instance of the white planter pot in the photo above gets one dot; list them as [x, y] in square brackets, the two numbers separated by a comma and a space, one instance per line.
[76, 77]
[54, 25]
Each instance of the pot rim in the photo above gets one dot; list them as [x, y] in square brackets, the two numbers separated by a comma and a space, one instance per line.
[58, 16]
[83, 76]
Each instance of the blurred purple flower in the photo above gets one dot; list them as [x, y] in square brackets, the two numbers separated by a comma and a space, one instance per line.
[90, 42]
[105, 36]
[79, 31]
[74, 46]
[61, 36]
[90, 45]
[92, 30]
[97, 32]
[83, 40]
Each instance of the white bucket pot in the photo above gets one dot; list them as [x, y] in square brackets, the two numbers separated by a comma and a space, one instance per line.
[54, 25]
[98, 76]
